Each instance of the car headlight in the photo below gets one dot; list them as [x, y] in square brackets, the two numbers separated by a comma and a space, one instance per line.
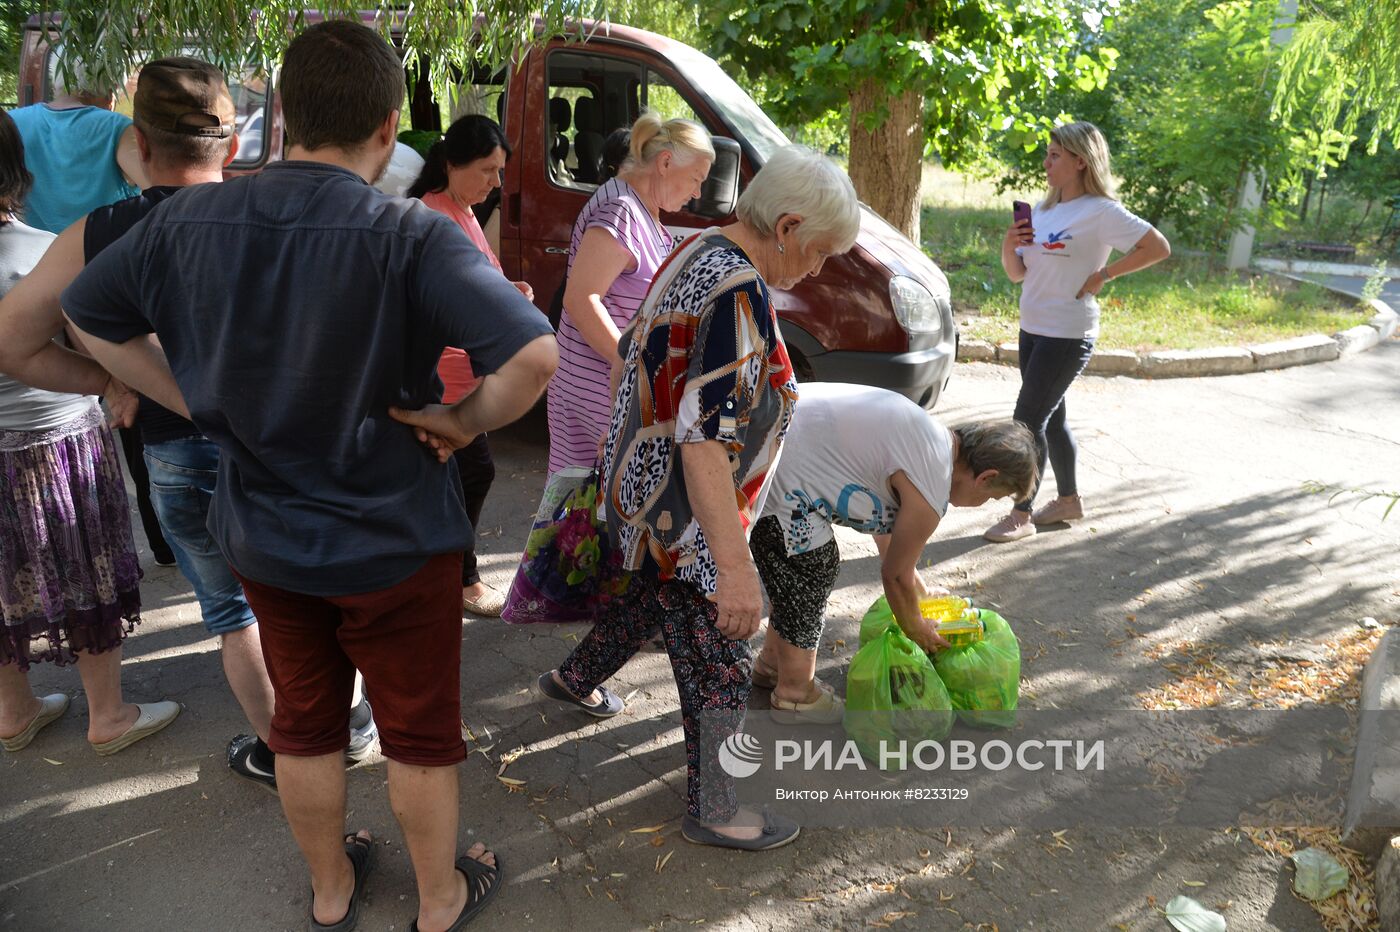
[915, 306]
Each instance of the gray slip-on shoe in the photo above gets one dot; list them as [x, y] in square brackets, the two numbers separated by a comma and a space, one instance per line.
[606, 707]
[154, 716]
[777, 831]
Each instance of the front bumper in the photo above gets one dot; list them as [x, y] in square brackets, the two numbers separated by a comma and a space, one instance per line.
[918, 373]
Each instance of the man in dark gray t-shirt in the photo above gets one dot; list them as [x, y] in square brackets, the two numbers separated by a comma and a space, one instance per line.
[302, 314]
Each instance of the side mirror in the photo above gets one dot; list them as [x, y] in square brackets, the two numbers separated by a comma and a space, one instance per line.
[721, 189]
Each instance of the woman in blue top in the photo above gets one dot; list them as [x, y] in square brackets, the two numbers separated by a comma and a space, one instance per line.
[1060, 257]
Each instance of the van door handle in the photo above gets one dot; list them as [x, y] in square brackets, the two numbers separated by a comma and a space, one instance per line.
[556, 250]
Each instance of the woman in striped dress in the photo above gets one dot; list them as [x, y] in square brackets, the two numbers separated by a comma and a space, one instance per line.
[618, 244]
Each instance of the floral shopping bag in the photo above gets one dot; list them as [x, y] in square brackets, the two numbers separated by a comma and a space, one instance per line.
[567, 572]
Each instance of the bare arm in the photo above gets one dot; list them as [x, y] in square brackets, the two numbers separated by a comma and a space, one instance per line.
[502, 397]
[598, 263]
[30, 319]
[913, 526]
[139, 362]
[1151, 249]
[1019, 233]
[709, 483]
[129, 159]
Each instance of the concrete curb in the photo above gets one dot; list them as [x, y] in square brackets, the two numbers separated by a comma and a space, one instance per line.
[1226, 360]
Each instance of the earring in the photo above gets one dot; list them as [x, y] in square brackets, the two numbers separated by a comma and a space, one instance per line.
[780, 249]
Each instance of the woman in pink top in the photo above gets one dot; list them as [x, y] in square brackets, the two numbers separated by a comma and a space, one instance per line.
[461, 170]
[618, 244]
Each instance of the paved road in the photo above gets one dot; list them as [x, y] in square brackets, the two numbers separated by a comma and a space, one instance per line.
[1353, 284]
[1198, 529]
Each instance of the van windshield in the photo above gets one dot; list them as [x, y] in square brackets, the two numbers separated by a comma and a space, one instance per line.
[737, 107]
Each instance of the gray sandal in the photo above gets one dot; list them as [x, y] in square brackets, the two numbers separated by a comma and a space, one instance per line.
[607, 706]
[777, 831]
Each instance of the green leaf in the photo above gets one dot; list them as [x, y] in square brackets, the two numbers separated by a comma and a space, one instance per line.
[1319, 875]
[1187, 915]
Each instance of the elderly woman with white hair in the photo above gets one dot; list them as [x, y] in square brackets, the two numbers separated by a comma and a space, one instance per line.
[618, 244]
[705, 392]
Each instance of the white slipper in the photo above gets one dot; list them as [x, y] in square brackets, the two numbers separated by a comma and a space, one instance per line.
[154, 716]
[51, 709]
[826, 709]
[490, 604]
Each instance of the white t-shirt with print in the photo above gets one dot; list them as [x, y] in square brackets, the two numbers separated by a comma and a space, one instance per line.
[845, 443]
[1072, 241]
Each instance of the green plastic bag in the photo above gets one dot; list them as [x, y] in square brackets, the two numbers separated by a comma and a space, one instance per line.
[984, 679]
[893, 694]
[877, 619]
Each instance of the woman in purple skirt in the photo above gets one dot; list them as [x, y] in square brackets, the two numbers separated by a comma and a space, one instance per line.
[617, 246]
[68, 568]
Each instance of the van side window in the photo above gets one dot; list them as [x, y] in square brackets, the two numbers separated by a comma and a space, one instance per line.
[482, 92]
[250, 91]
[589, 97]
[663, 97]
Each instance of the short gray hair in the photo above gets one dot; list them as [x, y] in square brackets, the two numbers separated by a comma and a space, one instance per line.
[1006, 446]
[796, 180]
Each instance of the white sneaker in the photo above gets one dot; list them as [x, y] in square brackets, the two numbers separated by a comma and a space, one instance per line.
[1010, 528]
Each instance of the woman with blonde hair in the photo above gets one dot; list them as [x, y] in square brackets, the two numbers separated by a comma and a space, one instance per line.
[617, 246]
[1060, 255]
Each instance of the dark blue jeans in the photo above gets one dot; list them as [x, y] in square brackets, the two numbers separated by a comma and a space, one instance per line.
[1048, 366]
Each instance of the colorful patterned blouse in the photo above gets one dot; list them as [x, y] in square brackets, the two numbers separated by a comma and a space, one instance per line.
[703, 361]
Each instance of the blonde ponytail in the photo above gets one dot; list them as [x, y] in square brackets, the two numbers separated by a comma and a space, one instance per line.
[684, 139]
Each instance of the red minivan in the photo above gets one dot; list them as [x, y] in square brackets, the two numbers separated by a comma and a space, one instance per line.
[879, 315]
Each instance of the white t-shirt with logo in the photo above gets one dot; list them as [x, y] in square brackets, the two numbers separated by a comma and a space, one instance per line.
[844, 444]
[1072, 241]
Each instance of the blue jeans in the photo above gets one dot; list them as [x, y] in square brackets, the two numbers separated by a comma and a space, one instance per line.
[1048, 366]
[183, 473]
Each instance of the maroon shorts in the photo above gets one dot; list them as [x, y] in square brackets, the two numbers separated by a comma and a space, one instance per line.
[406, 640]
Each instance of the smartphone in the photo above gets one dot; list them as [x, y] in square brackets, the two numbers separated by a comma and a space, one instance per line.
[1020, 210]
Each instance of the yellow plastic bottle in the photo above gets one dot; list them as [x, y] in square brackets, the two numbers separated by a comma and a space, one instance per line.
[964, 630]
[943, 607]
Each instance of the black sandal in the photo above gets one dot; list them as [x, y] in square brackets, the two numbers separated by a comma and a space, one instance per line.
[360, 851]
[483, 881]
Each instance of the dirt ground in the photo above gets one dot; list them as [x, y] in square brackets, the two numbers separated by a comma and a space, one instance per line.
[1199, 532]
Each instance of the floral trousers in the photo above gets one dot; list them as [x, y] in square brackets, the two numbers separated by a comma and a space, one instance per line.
[712, 676]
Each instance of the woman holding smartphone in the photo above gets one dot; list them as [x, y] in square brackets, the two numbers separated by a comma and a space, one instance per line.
[1059, 254]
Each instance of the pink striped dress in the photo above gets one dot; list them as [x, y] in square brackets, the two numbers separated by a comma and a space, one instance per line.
[579, 405]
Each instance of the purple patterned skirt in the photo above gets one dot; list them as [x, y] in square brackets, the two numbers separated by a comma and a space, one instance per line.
[68, 568]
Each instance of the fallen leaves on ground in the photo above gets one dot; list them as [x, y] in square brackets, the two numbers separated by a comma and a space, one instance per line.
[1187, 915]
[1351, 910]
[1203, 681]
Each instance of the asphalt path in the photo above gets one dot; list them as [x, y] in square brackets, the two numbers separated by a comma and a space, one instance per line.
[1353, 285]
[1199, 530]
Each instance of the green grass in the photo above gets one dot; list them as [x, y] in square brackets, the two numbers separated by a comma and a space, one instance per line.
[1183, 303]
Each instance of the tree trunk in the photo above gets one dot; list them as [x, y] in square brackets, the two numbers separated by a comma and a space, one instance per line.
[886, 165]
